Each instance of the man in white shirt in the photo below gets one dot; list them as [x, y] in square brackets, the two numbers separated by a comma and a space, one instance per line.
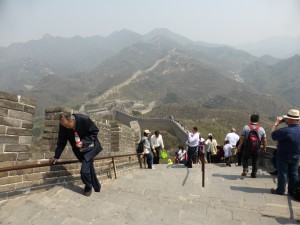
[233, 138]
[157, 144]
[193, 142]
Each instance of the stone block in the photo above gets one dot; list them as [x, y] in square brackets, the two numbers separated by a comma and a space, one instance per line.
[58, 110]
[26, 124]
[52, 123]
[3, 129]
[3, 174]
[9, 139]
[4, 157]
[10, 122]
[11, 97]
[52, 116]
[3, 112]
[8, 187]
[18, 131]
[45, 148]
[10, 180]
[20, 115]
[20, 172]
[33, 177]
[27, 184]
[51, 129]
[23, 156]
[16, 148]
[11, 105]
[50, 136]
[37, 155]
[25, 140]
[27, 101]
[29, 109]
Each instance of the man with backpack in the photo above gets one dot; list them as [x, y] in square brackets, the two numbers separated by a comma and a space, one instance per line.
[288, 153]
[252, 137]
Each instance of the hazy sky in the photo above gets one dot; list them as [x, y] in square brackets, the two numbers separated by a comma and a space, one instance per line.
[216, 21]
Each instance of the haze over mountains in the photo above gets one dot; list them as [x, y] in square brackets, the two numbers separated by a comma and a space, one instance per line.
[160, 67]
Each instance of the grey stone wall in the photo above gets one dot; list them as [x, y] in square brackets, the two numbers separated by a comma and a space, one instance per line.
[16, 123]
[154, 123]
[123, 139]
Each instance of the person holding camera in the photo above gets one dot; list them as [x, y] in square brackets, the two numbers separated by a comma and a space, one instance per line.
[288, 151]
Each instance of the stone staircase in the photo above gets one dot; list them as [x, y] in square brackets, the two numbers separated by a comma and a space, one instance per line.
[169, 194]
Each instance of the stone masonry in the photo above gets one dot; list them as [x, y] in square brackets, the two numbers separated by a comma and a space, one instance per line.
[16, 123]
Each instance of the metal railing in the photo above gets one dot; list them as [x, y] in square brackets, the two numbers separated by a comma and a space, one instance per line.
[29, 166]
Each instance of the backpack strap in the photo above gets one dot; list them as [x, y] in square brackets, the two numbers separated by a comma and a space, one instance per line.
[252, 128]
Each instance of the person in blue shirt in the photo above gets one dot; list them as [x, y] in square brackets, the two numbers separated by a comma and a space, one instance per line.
[288, 151]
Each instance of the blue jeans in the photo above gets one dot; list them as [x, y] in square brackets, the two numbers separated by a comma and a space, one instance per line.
[149, 160]
[287, 168]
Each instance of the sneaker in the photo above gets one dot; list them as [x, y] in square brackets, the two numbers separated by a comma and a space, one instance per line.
[253, 175]
[274, 191]
[245, 172]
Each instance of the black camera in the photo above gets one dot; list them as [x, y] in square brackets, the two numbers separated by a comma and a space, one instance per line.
[283, 120]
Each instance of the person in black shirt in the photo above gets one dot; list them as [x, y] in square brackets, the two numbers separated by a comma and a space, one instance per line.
[85, 150]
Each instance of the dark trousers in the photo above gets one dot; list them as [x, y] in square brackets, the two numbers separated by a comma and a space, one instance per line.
[191, 152]
[89, 176]
[227, 161]
[156, 155]
[254, 157]
[149, 160]
[239, 157]
[274, 161]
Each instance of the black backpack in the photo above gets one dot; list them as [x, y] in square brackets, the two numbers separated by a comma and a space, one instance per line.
[140, 147]
[296, 192]
[253, 142]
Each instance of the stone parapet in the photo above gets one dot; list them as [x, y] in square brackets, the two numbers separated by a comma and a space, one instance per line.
[16, 123]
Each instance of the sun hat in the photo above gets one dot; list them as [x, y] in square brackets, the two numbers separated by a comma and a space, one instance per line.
[293, 114]
[147, 132]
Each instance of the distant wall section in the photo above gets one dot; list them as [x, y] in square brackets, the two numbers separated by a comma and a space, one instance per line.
[157, 123]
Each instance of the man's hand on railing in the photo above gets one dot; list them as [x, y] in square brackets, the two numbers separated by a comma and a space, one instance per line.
[53, 160]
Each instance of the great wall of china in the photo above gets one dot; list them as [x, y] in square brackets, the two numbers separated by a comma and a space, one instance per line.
[117, 137]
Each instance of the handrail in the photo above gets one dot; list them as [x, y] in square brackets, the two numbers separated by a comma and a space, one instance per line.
[29, 166]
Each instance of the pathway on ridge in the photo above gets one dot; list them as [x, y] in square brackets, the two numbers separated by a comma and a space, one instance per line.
[163, 196]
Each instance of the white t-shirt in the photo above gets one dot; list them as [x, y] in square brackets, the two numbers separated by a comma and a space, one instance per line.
[227, 150]
[232, 138]
[157, 141]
